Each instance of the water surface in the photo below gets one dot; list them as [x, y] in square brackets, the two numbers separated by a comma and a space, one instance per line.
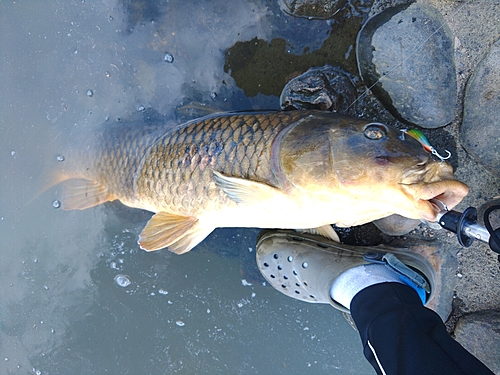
[77, 295]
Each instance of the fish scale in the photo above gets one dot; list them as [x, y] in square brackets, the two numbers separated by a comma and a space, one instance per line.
[189, 155]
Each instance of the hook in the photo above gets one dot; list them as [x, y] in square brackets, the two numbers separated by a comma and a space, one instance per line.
[442, 158]
[418, 135]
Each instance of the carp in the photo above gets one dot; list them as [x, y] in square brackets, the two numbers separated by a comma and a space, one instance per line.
[297, 170]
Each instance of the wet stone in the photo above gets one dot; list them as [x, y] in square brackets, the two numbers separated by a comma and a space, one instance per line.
[479, 333]
[396, 225]
[479, 134]
[327, 88]
[313, 9]
[405, 56]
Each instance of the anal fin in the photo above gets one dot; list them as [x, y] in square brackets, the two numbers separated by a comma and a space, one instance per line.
[79, 194]
[176, 232]
[325, 231]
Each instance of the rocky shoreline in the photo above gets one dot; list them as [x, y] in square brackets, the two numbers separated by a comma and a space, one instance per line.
[451, 86]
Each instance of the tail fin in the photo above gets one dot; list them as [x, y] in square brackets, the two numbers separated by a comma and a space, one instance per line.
[49, 177]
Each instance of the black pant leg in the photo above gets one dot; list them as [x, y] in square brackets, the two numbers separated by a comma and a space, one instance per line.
[405, 337]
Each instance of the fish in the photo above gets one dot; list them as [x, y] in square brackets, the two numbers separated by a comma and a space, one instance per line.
[291, 170]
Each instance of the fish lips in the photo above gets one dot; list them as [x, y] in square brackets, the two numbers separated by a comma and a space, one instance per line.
[450, 192]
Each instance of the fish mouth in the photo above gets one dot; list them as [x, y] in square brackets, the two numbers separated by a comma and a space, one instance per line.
[449, 192]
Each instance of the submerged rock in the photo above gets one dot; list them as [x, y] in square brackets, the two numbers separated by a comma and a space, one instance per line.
[481, 123]
[405, 56]
[319, 9]
[328, 88]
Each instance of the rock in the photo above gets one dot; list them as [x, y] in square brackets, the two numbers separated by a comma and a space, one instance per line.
[328, 88]
[396, 225]
[479, 333]
[405, 56]
[481, 124]
[319, 9]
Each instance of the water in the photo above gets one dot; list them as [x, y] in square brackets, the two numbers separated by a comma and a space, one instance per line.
[77, 295]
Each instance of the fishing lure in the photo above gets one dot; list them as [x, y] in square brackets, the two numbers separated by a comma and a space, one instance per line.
[417, 134]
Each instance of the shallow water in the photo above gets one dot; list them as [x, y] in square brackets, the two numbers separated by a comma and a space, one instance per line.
[77, 295]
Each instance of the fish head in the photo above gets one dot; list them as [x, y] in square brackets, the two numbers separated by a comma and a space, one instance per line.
[370, 166]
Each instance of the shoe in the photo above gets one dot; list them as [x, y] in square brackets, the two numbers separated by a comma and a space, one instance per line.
[304, 266]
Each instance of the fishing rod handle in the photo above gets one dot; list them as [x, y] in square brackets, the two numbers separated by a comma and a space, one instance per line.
[464, 225]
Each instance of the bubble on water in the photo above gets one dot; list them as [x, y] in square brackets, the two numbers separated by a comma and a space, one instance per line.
[122, 280]
[245, 283]
[90, 93]
[141, 108]
[56, 204]
[13, 153]
[180, 323]
[163, 291]
[168, 57]
[60, 158]
[110, 18]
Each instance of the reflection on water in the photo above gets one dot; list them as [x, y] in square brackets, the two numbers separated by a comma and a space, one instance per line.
[62, 308]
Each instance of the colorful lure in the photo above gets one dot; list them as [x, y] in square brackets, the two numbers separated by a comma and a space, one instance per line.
[417, 134]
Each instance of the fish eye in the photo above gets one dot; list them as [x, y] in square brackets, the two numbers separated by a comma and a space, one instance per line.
[375, 130]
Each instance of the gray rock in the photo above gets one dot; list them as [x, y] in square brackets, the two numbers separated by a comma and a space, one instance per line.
[481, 124]
[327, 88]
[396, 225]
[479, 333]
[405, 56]
[314, 9]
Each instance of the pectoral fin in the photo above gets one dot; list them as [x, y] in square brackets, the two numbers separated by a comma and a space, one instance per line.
[325, 231]
[79, 194]
[245, 191]
[179, 233]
